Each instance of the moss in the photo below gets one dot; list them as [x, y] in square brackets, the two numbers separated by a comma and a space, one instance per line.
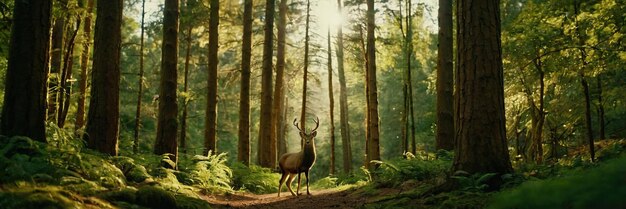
[128, 195]
[155, 197]
[132, 171]
[47, 197]
[185, 202]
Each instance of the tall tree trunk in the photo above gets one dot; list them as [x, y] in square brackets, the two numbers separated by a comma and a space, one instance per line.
[332, 106]
[480, 140]
[140, 84]
[267, 145]
[65, 88]
[167, 126]
[445, 101]
[306, 70]
[409, 83]
[282, 129]
[210, 131]
[84, 63]
[279, 90]
[583, 81]
[600, 109]
[343, 100]
[183, 119]
[103, 116]
[374, 147]
[56, 60]
[25, 92]
[243, 151]
[367, 96]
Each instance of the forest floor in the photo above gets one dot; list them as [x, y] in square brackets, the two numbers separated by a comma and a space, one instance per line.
[327, 198]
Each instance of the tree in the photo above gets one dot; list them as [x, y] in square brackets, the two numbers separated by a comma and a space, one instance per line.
[167, 125]
[372, 110]
[243, 154]
[408, 85]
[56, 58]
[84, 64]
[480, 140]
[24, 107]
[140, 83]
[343, 100]
[279, 89]
[331, 105]
[186, 101]
[583, 80]
[267, 145]
[210, 131]
[103, 116]
[306, 68]
[445, 102]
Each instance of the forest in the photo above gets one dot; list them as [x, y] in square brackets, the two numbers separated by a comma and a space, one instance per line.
[245, 104]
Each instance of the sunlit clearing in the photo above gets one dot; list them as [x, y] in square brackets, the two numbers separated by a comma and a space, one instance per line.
[327, 14]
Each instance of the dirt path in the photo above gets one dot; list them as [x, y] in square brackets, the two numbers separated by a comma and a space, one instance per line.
[318, 199]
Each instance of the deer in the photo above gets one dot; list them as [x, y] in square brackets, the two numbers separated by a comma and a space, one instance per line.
[299, 162]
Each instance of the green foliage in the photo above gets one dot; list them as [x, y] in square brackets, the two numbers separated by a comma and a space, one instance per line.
[325, 183]
[155, 197]
[132, 171]
[33, 196]
[254, 179]
[474, 183]
[211, 172]
[601, 187]
[396, 171]
[354, 178]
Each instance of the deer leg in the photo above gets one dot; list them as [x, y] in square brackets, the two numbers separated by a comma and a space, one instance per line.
[289, 180]
[298, 191]
[306, 174]
[282, 180]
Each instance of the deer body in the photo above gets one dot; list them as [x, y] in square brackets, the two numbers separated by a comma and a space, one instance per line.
[292, 164]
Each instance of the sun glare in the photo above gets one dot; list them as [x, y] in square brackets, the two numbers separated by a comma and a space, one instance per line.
[327, 14]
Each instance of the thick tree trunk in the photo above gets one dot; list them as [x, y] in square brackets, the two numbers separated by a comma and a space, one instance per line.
[343, 101]
[367, 100]
[583, 82]
[282, 129]
[279, 90]
[243, 151]
[25, 92]
[331, 105]
[140, 84]
[103, 116]
[480, 132]
[167, 126]
[84, 63]
[409, 83]
[210, 131]
[445, 101]
[374, 147]
[267, 145]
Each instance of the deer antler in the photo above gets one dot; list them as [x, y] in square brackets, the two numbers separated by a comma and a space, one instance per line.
[296, 124]
[317, 124]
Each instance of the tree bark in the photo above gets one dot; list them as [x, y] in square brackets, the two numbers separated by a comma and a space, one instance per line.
[84, 63]
[445, 101]
[267, 145]
[306, 71]
[331, 106]
[140, 84]
[279, 90]
[601, 109]
[25, 92]
[183, 117]
[56, 60]
[103, 116]
[374, 147]
[583, 82]
[167, 125]
[210, 131]
[343, 100]
[409, 50]
[65, 88]
[243, 151]
[480, 140]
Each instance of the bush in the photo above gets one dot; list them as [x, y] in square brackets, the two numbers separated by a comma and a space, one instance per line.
[601, 187]
[255, 179]
[396, 171]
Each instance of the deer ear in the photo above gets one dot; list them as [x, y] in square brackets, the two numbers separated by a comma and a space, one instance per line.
[313, 134]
